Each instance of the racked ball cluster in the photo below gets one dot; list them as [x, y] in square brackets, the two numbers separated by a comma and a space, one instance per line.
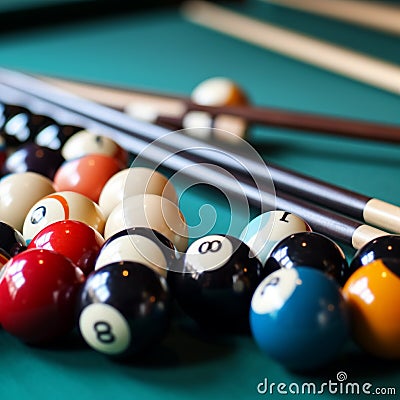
[87, 242]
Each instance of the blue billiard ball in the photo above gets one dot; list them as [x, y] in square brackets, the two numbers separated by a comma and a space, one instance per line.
[299, 318]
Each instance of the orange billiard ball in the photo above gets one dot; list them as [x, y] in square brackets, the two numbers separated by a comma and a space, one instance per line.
[86, 175]
[373, 295]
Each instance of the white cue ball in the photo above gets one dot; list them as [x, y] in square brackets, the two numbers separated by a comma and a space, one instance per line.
[134, 181]
[152, 211]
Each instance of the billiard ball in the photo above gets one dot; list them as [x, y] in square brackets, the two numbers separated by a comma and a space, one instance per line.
[35, 158]
[11, 243]
[73, 239]
[264, 232]
[215, 281]
[311, 249]
[124, 309]
[59, 206]
[134, 181]
[216, 91]
[86, 175]
[86, 142]
[14, 124]
[152, 211]
[142, 245]
[38, 294]
[373, 295]
[18, 193]
[299, 318]
[54, 136]
[380, 248]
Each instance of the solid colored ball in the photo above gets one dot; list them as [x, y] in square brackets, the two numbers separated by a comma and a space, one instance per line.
[124, 309]
[373, 295]
[149, 211]
[18, 193]
[215, 282]
[54, 136]
[135, 181]
[14, 125]
[73, 239]
[383, 247]
[142, 245]
[299, 318]
[38, 290]
[264, 232]
[11, 243]
[59, 206]
[35, 158]
[311, 249]
[86, 175]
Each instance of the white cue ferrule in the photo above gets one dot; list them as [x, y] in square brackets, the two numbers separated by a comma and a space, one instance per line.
[382, 214]
[364, 234]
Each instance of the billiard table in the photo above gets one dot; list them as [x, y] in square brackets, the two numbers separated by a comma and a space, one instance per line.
[154, 47]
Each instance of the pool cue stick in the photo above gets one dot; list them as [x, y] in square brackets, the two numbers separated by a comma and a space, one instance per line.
[132, 134]
[174, 107]
[364, 208]
[380, 16]
[333, 58]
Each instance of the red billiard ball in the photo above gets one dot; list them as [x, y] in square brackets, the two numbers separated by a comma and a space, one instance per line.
[74, 239]
[38, 294]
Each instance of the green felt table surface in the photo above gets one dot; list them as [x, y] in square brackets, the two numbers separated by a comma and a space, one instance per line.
[157, 49]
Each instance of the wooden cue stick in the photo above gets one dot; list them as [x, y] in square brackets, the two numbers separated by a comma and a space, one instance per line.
[364, 208]
[351, 64]
[175, 107]
[376, 15]
[136, 135]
